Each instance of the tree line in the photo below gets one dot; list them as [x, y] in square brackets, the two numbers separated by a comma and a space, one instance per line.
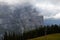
[41, 31]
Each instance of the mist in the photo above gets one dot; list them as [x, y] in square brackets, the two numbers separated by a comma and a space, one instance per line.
[16, 17]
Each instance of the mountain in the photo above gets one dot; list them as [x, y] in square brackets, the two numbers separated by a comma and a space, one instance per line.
[51, 21]
[23, 17]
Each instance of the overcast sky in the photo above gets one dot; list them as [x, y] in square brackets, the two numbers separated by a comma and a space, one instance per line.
[48, 8]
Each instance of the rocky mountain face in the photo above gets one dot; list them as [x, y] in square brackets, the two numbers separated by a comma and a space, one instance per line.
[23, 17]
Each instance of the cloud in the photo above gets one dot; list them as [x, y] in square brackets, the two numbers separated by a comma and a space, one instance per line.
[12, 2]
[48, 8]
[57, 16]
[56, 2]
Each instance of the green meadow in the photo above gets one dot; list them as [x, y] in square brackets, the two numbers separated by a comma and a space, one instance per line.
[48, 37]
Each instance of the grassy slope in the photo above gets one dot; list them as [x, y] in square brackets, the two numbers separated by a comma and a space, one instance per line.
[49, 37]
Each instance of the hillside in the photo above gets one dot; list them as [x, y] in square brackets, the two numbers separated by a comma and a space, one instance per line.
[49, 37]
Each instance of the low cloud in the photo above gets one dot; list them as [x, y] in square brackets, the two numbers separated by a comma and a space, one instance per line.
[48, 8]
[57, 16]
